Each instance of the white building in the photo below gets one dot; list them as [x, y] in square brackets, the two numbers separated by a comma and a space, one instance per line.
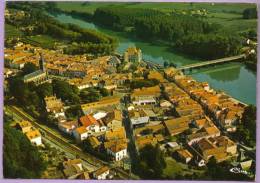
[35, 137]
[54, 106]
[136, 121]
[101, 173]
[144, 100]
[118, 151]
[81, 133]
[68, 126]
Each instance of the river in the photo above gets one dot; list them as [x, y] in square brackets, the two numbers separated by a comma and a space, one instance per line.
[233, 78]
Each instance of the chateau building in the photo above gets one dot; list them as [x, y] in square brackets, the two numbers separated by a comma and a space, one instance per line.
[133, 54]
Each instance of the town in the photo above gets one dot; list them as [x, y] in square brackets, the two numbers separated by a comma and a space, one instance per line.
[118, 116]
[186, 119]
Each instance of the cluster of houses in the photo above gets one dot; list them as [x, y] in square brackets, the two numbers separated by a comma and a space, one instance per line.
[176, 110]
[83, 71]
[181, 115]
[226, 111]
[101, 125]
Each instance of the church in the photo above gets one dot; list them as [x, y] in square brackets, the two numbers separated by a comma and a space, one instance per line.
[40, 76]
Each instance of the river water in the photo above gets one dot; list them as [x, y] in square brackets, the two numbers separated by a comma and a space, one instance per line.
[233, 78]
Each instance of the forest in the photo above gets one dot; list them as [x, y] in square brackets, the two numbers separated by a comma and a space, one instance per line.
[186, 33]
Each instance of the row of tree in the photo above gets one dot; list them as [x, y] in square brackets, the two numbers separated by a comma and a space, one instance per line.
[209, 46]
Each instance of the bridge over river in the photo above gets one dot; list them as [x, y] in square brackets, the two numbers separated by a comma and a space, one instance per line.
[212, 62]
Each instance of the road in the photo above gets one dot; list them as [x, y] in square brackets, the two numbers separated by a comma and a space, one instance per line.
[91, 160]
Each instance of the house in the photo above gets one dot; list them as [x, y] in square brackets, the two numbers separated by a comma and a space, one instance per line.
[72, 168]
[154, 91]
[115, 134]
[94, 142]
[35, 137]
[118, 151]
[137, 119]
[206, 130]
[133, 54]
[165, 104]
[113, 119]
[54, 106]
[81, 133]
[91, 124]
[101, 173]
[229, 120]
[177, 125]
[68, 126]
[144, 100]
[184, 155]
[173, 145]
[142, 141]
[105, 102]
[24, 126]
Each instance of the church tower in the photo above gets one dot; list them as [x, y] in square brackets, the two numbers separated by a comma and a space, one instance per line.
[42, 63]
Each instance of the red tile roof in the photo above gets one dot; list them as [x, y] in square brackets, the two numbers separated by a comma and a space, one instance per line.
[87, 120]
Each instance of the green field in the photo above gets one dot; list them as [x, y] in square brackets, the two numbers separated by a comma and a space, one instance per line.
[226, 14]
[172, 168]
[11, 31]
[42, 40]
[217, 7]
[37, 40]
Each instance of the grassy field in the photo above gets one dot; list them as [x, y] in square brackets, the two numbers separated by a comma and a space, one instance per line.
[42, 40]
[172, 168]
[11, 31]
[38, 40]
[228, 15]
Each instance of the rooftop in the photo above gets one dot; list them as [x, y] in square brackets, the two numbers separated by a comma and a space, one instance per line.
[88, 120]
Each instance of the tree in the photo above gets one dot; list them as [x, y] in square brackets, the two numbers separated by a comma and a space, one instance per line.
[104, 92]
[89, 95]
[20, 159]
[143, 83]
[44, 90]
[29, 68]
[152, 162]
[65, 91]
[74, 112]
[250, 13]
[246, 131]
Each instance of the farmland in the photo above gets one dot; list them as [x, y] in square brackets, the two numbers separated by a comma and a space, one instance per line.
[228, 15]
